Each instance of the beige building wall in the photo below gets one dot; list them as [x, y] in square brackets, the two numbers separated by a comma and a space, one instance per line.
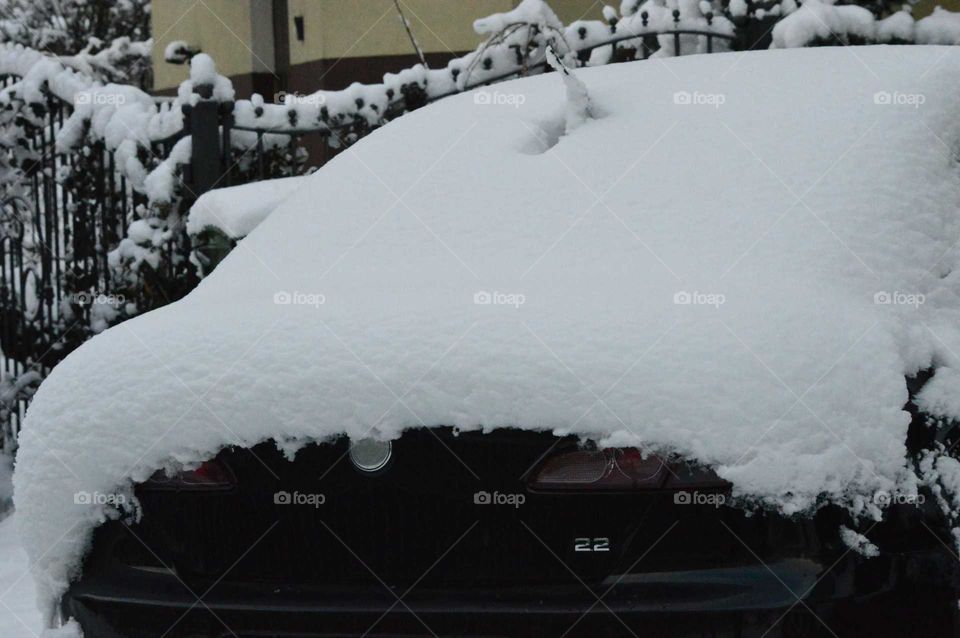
[570, 10]
[221, 28]
[239, 34]
[360, 28]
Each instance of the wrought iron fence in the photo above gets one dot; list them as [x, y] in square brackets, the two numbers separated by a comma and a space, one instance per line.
[66, 213]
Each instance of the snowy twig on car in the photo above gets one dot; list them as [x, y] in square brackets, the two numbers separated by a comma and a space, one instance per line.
[577, 105]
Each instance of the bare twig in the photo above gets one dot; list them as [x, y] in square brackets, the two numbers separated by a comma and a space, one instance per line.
[413, 40]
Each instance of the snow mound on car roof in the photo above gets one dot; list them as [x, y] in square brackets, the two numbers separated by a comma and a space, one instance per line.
[737, 259]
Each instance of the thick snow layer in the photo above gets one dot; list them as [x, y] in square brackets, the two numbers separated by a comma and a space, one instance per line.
[18, 609]
[939, 397]
[237, 210]
[737, 260]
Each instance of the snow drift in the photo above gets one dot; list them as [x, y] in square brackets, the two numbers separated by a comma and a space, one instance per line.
[737, 258]
[237, 210]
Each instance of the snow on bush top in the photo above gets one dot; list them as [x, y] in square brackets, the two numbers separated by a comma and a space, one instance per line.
[122, 116]
[940, 27]
[529, 11]
[821, 20]
[737, 258]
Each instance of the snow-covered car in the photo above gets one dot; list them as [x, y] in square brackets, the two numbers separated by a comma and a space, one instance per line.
[397, 539]
[667, 346]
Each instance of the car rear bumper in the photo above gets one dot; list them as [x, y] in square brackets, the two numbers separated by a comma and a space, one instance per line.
[742, 601]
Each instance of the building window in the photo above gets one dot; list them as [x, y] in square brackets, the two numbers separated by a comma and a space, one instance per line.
[298, 25]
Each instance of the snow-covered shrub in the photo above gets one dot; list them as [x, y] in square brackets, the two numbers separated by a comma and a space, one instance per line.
[941, 27]
[821, 22]
[109, 39]
[71, 150]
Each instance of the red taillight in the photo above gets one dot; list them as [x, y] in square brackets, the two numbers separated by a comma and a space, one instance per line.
[620, 469]
[209, 476]
[611, 469]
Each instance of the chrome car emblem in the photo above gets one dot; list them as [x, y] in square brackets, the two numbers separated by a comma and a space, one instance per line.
[370, 455]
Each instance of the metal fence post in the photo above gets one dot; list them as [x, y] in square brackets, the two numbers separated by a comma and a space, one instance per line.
[204, 126]
[208, 122]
